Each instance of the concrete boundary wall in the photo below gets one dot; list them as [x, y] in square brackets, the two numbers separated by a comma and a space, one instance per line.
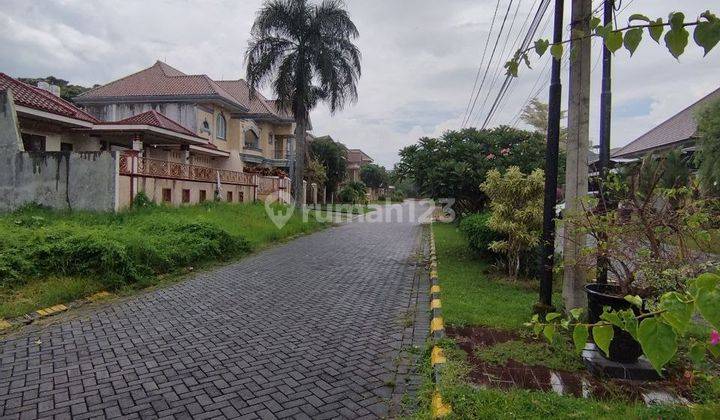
[61, 180]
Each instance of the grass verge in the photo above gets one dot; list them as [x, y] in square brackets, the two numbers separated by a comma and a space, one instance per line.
[49, 257]
[472, 298]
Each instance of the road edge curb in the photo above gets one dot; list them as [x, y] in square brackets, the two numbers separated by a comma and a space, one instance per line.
[437, 332]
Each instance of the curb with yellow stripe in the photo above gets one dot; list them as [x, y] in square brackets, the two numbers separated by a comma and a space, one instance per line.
[7, 324]
[437, 329]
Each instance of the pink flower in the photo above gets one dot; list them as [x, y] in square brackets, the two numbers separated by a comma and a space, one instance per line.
[490, 157]
[714, 338]
[505, 152]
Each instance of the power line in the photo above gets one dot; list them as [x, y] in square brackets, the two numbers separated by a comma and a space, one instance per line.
[482, 60]
[526, 42]
[487, 68]
[498, 67]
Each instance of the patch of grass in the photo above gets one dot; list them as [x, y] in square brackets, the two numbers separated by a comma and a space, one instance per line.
[46, 292]
[471, 297]
[470, 402]
[344, 208]
[558, 356]
[55, 256]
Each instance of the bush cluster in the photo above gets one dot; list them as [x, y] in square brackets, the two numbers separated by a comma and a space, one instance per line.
[117, 251]
[353, 193]
[478, 233]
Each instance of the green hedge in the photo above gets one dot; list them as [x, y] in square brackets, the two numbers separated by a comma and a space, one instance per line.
[479, 235]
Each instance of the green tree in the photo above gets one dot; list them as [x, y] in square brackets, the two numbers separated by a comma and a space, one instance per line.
[708, 155]
[305, 51]
[67, 91]
[454, 165]
[333, 156]
[374, 176]
[535, 114]
[316, 173]
[516, 203]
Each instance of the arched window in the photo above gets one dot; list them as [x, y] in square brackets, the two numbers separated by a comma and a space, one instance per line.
[252, 140]
[220, 127]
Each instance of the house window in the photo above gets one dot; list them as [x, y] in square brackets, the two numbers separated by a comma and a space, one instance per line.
[203, 195]
[252, 140]
[167, 195]
[220, 127]
[185, 196]
[33, 143]
[66, 147]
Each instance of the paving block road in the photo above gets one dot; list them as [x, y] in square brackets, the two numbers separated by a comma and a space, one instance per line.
[314, 328]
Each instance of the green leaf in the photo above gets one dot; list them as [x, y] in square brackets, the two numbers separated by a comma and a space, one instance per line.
[537, 328]
[707, 35]
[630, 323]
[580, 336]
[635, 300]
[576, 313]
[676, 40]
[631, 42]
[512, 68]
[638, 16]
[541, 45]
[611, 317]
[676, 20]
[603, 335]
[549, 332]
[697, 352]
[656, 30]
[551, 315]
[614, 40]
[594, 22]
[677, 311]
[708, 303]
[556, 50]
[658, 341]
[603, 30]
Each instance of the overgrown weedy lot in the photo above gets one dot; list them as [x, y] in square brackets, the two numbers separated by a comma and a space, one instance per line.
[48, 257]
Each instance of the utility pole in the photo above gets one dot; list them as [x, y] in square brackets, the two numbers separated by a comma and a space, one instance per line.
[551, 169]
[605, 119]
[576, 176]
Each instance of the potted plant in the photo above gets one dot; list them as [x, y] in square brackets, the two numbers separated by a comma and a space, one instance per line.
[645, 242]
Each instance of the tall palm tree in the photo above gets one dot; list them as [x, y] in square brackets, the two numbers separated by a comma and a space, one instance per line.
[305, 52]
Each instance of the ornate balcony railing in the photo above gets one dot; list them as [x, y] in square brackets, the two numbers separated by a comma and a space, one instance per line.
[136, 166]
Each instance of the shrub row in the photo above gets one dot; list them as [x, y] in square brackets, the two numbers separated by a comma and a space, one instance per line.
[115, 254]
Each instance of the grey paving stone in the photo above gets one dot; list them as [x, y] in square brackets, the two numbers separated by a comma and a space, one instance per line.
[309, 328]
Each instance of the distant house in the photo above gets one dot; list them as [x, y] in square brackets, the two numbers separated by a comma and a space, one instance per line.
[679, 131]
[356, 159]
[59, 155]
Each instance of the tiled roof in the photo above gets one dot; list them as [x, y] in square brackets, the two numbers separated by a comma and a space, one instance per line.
[678, 128]
[154, 119]
[36, 98]
[260, 105]
[159, 80]
[358, 156]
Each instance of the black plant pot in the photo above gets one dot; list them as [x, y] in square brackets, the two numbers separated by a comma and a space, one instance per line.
[623, 348]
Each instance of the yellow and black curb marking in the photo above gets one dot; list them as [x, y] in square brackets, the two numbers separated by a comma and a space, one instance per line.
[437, 330]
[46, 312]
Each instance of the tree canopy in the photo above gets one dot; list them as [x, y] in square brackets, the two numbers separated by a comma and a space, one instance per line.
[374, 176]
[67, 91]
[535, 114]
[708, 156]
[455, 164]
[333, 156]
[305, 51]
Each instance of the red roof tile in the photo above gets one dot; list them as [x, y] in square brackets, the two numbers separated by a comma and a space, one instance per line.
[678, 128]
[260, 105]
[154, 119]
[36, 98]
[159, 80]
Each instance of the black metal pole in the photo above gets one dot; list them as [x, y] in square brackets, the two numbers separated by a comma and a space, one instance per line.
[605, 119]
[551, 167]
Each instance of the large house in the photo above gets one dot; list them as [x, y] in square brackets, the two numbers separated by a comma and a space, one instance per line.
[355, 160]
[678, 131]
[176, 138]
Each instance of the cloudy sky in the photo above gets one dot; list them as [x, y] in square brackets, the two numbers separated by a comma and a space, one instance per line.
[420, 58]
